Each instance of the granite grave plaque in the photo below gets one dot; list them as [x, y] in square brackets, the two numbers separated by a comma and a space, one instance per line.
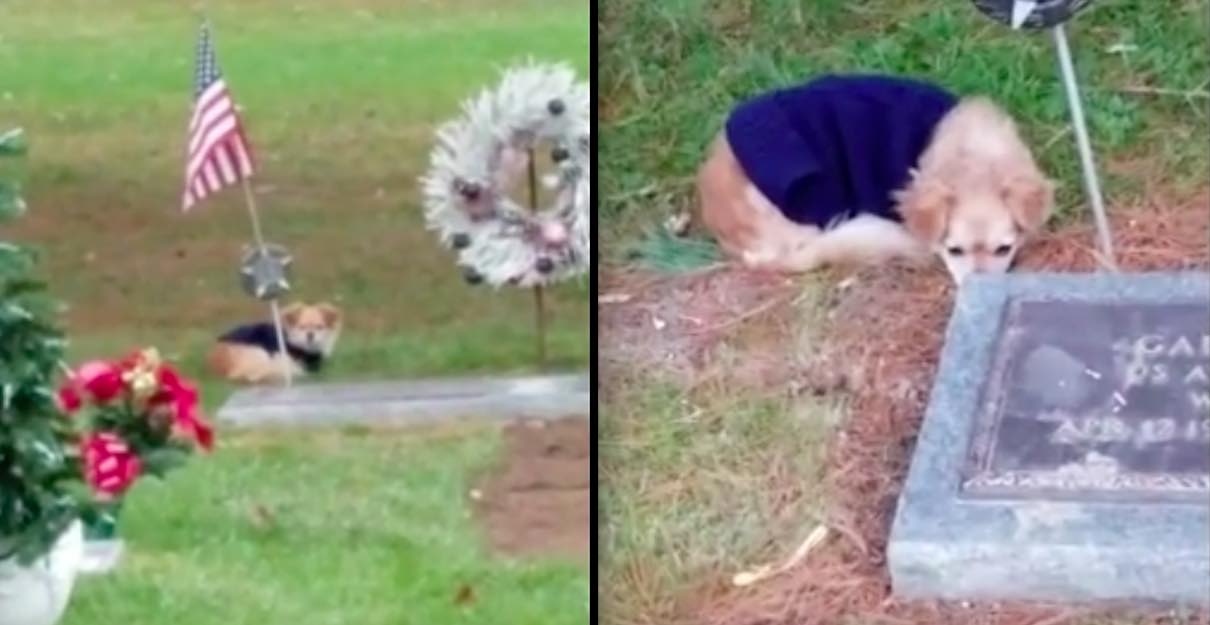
[1065, 454]
[411, 402]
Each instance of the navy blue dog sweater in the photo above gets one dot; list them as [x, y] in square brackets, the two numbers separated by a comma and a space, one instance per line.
[836, 146]
[264, 336]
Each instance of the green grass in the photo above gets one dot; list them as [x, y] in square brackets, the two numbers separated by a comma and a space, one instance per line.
[324, 528]
[660, 250]
[698, 483]
[702, 483]
[340, 99]
[686, 473]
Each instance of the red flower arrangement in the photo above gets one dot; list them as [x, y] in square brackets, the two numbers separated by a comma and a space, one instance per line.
[138, 417]
[110, 466]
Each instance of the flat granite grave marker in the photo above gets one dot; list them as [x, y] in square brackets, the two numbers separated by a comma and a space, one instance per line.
[411, 402]
[1065, 453]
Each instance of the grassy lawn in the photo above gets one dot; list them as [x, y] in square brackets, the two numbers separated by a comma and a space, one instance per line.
[340, 99]
[324, 528]
[701, 481]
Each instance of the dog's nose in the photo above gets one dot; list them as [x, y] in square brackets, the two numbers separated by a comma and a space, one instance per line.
[959, 273]
[981, 262]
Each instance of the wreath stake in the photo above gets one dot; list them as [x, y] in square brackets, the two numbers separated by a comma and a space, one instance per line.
[539, 300]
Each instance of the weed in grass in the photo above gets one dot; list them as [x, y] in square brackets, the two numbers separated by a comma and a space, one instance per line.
[661, 251]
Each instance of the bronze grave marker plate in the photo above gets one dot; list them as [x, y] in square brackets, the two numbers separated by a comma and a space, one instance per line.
[1089, 401]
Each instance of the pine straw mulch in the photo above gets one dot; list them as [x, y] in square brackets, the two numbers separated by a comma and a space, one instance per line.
[886, 330]
[672, 324]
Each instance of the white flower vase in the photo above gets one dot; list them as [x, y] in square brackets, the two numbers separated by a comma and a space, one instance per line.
[37, 594]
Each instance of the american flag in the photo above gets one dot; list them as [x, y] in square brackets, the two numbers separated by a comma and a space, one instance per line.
[218, 153]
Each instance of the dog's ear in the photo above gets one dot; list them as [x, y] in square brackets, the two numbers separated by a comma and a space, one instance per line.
[290, 313]
[1030, 198]
[925, 206]
[331, 314]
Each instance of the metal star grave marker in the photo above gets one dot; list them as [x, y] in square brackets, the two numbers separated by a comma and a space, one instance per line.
[1031, 14]
[265, 272]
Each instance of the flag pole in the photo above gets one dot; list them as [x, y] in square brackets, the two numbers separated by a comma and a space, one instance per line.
[274, 309]
[1092, 185]
[206, 76]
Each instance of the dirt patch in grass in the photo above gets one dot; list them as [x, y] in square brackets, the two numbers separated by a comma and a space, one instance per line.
[538, 500]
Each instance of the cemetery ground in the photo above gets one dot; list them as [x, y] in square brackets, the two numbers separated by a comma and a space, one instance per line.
[338, 527]
[740, 411]
[340, 100]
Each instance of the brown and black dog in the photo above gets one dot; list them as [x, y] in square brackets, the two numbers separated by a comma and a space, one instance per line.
[249, 354]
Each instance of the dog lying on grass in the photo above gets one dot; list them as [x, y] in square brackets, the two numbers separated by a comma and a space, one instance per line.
[863, 169]
[249, 354]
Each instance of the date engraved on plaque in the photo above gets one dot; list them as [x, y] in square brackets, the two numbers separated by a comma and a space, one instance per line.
[1095, 402]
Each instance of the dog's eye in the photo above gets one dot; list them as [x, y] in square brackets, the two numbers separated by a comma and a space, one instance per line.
[1003, 250]
[954, 251]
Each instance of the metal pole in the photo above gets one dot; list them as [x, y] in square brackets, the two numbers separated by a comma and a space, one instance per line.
[251, 201]
[273, 307]
[540, 313]
[539, 303]
[1091, 184]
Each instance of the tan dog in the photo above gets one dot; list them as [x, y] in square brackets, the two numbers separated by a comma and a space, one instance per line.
[974, 197]
[977, 192]
[249, 354]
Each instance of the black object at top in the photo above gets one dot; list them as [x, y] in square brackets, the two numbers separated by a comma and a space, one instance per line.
[1046, 14]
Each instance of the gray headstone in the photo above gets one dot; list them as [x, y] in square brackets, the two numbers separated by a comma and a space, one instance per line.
[411, 402]
[1065, 453]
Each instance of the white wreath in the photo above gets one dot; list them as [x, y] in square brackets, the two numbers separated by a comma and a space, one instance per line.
[488, 149]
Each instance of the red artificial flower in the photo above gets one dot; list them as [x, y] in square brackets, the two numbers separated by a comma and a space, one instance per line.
[197, 429]
[69, 399]
[183, 398]
[138, 358]
[110, 466]
[140, 372]
[102, 380]
[175, 386]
